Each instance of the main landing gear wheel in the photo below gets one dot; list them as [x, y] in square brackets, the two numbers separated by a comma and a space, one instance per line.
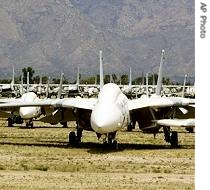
[64, 123]
[174, 139]
[29, 124]
[72, 138]
[129, 127]
[171, 137]
[189, 129]
[10, 122]
[75, 139]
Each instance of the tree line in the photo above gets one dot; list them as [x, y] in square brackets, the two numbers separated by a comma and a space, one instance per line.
[122, 79]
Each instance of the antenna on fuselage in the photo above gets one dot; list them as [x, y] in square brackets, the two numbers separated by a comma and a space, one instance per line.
[60, 86]
[160, 74]
[101, 70]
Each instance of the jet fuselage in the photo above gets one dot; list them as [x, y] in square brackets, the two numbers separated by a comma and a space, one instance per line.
[29, 112]
[111, 112]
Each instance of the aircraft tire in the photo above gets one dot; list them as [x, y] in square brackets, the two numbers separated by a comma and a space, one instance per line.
[72, 138]
[189, 129]
[174, 139]
[129, 127]
[115, 145]
[64, 124]
[31, 124]
[10, 122]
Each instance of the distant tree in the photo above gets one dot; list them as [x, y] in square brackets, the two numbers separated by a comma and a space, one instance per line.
[31, 73]
[17, 80]
[5, 81]
[124, 79]
[36, 79]
[114, 78]
[65, 80]
[55, 81]
[106, 79]
[166, 81]
[88, 80]
[44, 79]
[137, 81]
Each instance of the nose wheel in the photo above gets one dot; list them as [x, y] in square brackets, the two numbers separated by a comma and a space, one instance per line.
[110, 141]
[29, 124]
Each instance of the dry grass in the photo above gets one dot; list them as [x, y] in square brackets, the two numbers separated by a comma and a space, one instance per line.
[39, 158]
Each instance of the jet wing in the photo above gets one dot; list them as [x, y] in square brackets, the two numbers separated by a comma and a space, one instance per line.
[6, 100]
[82, 103]
[177, 122]
[159, 102]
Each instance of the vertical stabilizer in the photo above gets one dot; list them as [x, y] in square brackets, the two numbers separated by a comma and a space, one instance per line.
[60, 86]
[27, 83]
[48, 87]
[153, 82]
[147, 85]
[40, 80]
[77, 82]
[13, 78]
[96, 80]
[111, 79]
[130, 78]
[21, 85]
[160, 74]
[101, 70]
[185, 78]
[13, 75]
[142, 78]
[39, 89]
[153, 79]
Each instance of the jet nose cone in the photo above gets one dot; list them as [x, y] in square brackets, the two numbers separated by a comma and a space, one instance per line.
[106, 120]
[27, 112]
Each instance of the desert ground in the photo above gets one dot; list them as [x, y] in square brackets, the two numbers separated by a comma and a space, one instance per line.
[40, 158]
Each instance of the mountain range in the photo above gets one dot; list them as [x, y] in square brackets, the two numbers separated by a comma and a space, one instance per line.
[54, 36]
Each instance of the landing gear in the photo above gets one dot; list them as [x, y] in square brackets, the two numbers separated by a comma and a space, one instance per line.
[171, 138]
[72, 138]
[110, 142]
[174, 139]
[29, 124]
[64, 123]
[189, 129]
[10, 122]
[14, 119]
[129, 127]
[75, 139]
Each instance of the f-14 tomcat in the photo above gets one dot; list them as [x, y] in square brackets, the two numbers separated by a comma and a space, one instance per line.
[112, 111]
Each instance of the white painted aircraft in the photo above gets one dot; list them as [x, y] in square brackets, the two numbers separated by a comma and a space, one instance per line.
[18, 114]
[111, 112]
[9, 89]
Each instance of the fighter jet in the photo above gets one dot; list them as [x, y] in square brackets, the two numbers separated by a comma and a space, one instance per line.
[113, 111]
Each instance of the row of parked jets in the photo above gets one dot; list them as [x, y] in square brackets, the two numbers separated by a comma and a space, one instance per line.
[107, 113]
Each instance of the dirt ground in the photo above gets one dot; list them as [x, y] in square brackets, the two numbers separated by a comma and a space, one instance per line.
[40, 158]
